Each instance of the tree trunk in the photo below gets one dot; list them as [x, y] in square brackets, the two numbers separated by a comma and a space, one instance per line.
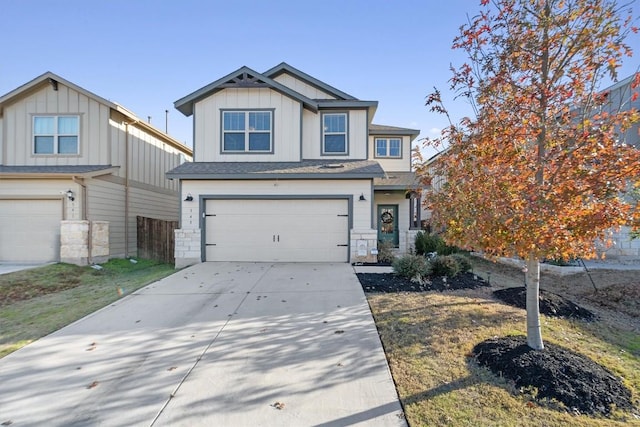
[534, 333]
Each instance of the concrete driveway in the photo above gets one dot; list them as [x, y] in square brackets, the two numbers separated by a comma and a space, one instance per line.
[216, 344]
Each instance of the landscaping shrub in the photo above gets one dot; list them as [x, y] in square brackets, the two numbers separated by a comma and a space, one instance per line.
[385, 252]
[414, 267]
[446, 265]
[426, 243]
[463, 261]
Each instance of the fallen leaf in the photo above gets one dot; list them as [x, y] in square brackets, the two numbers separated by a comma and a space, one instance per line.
[172, 368]
[278, 405]
[7, 423]
[339, 331]
[93, 384]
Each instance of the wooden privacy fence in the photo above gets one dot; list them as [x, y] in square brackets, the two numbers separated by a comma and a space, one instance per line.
[156, 239]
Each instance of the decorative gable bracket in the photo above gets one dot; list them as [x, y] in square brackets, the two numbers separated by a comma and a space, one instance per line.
[244, 80]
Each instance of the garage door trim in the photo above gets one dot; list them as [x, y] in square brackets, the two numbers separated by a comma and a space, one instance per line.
[204, 197]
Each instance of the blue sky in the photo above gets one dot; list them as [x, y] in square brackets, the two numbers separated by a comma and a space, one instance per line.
[147, 54]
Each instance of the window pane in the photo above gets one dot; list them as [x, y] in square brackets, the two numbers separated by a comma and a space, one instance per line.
[68, 144]
[394, 147]
[335, 122]
[43, 125]
[259, 142]
[381, 147]
[233, 120]
[43, 145]
[260, 120]
[233, 142]
[67, 125]
[334, 144]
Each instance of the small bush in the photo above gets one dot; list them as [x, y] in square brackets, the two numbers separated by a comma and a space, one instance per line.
[426, 243]
[446, 265]
[385, 252]
[463, 261]
[413, 267]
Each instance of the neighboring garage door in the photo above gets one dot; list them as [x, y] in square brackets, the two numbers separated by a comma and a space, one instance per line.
[300, 230]
[30, 230]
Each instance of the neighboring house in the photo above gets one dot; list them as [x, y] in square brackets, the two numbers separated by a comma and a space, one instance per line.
[621, 98]
[66, 156]
[289, 168]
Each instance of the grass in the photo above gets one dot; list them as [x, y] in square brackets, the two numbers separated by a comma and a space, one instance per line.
[428, 338]
[36, 302]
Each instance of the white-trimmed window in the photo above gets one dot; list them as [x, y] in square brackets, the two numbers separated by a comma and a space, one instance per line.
[334, 133]
[247, 131]
[389, 147]
[56, 134]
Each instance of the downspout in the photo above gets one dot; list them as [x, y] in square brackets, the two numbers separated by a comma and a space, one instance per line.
[85, 216]
[126, 190]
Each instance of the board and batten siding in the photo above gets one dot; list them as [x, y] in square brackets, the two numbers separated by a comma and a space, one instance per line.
[149, 156]
[2, 139]
[272, 188]
[357, 135]
[18, 127]
[302, 88]
[286, 124]
[402, 164]
[106, 202]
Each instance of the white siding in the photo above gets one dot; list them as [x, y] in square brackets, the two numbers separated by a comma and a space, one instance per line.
[302, 87]
[357, 136]
[402, 164]
[286, 128]
[361, 209]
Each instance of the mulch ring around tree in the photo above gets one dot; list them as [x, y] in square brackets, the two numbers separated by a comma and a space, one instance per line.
[555, 374]
[550, 304]
[389, 282]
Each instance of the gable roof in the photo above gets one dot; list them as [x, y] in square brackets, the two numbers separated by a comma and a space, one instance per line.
[54, 79]
[283, 68]
[84, 171]
[244, 77]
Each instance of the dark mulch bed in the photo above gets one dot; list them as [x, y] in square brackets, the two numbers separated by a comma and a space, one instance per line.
[389, 282]
[556, 373]
[550, 304]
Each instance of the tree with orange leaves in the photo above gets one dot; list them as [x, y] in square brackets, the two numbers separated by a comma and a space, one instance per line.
[542, 171]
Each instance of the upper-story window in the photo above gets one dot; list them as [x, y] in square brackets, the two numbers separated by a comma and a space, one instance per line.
[389, 147]
[334, 133]
[56, 134]
[247, 131]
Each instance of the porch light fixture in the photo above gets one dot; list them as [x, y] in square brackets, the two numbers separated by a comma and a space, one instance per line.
[70, 195]
[362, 199]
[189, 198]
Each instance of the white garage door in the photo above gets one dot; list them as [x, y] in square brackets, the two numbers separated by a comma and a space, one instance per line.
[277, 230]
[30, 230]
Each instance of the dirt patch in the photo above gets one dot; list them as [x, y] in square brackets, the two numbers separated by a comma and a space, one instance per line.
[550, 303]
[555, 374]
[389, 282]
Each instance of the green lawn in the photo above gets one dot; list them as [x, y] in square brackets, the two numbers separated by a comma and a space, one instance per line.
[36, 302]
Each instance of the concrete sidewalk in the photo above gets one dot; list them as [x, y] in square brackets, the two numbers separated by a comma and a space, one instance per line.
[224, 344]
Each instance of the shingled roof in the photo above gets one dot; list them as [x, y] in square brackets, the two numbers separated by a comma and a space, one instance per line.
[306, 169]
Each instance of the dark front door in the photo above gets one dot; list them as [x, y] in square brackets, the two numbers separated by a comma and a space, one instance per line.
[388, 224]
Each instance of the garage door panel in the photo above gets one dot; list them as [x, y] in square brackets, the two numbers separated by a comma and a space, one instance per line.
[277, 230]
[30, 230]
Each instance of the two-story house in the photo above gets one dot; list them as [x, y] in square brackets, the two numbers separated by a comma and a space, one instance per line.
[68, 155]
[289, 168]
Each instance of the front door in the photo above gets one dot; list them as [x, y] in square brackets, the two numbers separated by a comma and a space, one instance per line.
[388, 224]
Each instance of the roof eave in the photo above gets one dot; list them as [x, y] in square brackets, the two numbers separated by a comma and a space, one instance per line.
[265, 176]
[54, 175]
[284, 67]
